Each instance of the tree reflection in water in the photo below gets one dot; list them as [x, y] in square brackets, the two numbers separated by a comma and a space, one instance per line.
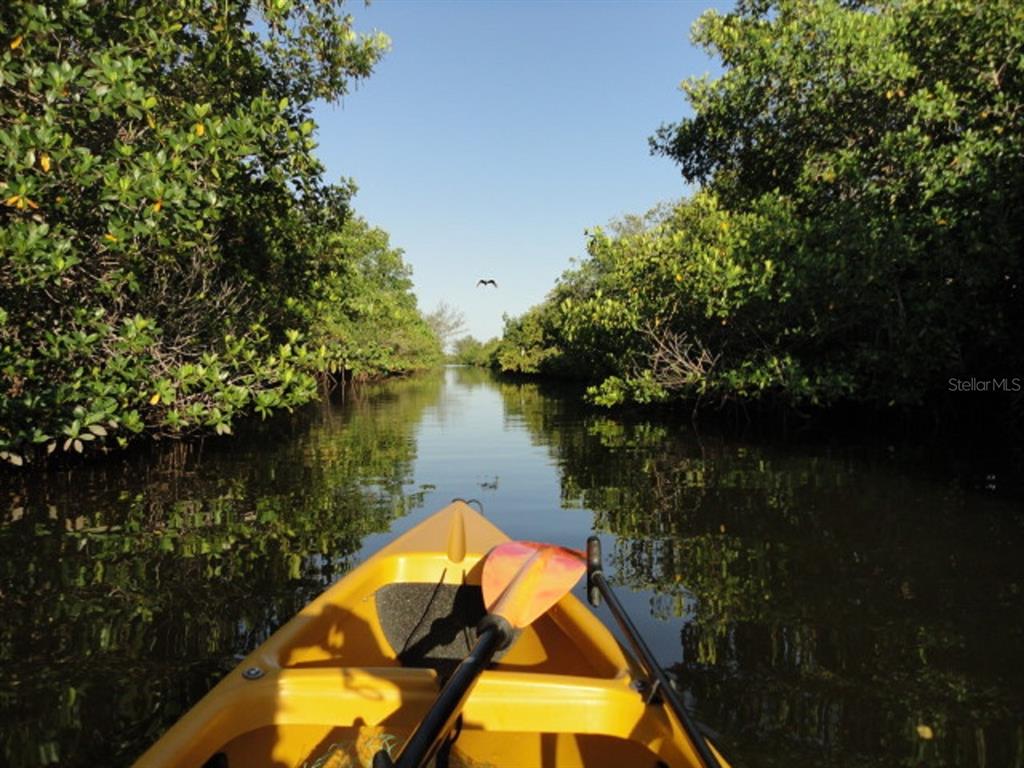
[840, 608]
[824, 606]
[128, 588]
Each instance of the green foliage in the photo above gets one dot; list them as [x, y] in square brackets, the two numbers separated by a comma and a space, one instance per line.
[892, 136]
[469, 351]
[525, 345]
[365, 313]
[685, 304]
[858, 235]
[165, 232]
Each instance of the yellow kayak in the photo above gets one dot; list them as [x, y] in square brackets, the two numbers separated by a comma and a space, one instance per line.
[358, 668]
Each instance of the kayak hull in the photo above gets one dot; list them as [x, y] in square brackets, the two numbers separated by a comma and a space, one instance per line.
[358, 668]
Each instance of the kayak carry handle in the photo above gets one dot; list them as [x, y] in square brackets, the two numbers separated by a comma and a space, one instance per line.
[598, 587]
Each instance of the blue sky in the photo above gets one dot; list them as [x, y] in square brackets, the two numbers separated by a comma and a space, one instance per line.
[495, 133]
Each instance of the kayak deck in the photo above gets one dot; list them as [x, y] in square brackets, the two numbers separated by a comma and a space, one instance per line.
[358, 668]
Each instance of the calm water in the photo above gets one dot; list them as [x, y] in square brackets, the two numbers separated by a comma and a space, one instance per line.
[820, 606]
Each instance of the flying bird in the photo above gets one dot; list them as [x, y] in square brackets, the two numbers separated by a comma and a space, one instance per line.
[486, 282]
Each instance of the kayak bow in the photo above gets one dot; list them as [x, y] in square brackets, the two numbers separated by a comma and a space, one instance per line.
[357, 670]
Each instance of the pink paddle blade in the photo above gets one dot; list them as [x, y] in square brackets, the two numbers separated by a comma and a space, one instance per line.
[523, 579]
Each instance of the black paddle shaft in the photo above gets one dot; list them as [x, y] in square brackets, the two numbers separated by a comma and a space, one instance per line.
[493, 634]
[597, 587]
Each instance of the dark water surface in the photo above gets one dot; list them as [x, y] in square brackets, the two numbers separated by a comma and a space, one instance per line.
[820, 605]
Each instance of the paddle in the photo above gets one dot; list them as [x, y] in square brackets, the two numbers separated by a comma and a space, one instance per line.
[597, 586]
[521, 581]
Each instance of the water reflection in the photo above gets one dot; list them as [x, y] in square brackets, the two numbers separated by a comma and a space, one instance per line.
[820, 605]
[838, 608]
[129, 588]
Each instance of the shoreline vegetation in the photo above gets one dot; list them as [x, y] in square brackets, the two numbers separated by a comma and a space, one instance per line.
[856, 237]
[173, 258]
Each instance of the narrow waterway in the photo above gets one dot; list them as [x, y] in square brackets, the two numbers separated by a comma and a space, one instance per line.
[820, 605]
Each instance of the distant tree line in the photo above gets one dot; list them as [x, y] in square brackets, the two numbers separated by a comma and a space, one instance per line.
[170, 253]
[857, 232]
[470, 351]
